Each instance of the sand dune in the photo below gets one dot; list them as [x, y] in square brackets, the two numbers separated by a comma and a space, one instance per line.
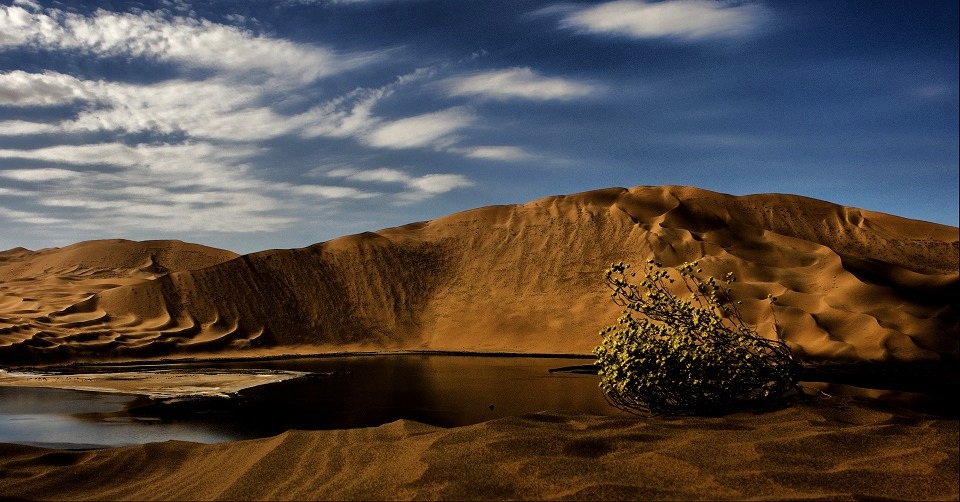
[36, 286]
[852, 284]
[825, 450]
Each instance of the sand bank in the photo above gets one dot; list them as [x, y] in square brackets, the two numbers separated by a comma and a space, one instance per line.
[823, 449]
[155, 384]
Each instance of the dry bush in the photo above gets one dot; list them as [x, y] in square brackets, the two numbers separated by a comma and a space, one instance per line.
[686, 356]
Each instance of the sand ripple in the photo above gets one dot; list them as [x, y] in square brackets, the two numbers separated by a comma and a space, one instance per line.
[822, 450]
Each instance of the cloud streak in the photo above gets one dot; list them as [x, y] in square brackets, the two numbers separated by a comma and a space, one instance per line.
[517, 83]
[680, 19]
[436, 130]
[419, 187]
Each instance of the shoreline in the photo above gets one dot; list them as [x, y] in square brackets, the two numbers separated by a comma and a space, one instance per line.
[824, 450]
[927, 388]
[233, 358]
[938, 377]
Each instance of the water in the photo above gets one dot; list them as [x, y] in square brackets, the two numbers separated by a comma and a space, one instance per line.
[349, 392]
[75, 419]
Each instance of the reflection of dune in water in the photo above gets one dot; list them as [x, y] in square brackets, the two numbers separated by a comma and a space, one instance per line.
[851, 284]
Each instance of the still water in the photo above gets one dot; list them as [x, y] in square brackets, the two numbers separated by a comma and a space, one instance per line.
[347, 392]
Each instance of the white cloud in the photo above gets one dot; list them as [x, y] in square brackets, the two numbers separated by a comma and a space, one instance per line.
[418, 187]
[28, 217]
[190, 42]
[327, 192]
[24, 127]
[351, 115]
[12, 192]
[346, 116]
[428, 130]
[210, 109]
[439, 183]
[213, 109]
[504, 153]
[19, 88]
[207, 128]
[521, 83]
[170, 188]
[41, 174]
[684, 19]
[30, 4]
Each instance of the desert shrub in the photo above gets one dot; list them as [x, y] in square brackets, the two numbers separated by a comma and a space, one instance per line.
[688, 355]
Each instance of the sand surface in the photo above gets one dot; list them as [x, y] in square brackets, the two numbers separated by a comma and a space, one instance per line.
[851, 284]
[822, 450]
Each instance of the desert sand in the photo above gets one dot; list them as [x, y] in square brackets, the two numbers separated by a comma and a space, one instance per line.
[852, 286]
[817, 451]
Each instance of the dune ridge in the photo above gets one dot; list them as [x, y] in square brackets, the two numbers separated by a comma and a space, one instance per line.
[851, 284]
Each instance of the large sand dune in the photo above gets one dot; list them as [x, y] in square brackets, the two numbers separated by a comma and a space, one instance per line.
[851, 284]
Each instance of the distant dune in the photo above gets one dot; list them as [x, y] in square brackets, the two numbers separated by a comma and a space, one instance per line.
[35, 286]
[851, 284]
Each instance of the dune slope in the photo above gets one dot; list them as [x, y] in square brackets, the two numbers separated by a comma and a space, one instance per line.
[851, 284]
[35, 285]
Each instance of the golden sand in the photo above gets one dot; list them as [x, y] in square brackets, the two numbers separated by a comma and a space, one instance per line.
[826, 451]
[852, 285]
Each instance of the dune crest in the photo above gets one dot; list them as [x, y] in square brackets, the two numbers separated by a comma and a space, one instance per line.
[851, 284]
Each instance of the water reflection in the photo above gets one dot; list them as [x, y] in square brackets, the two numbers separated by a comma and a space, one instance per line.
[348, 392]
[75, 419]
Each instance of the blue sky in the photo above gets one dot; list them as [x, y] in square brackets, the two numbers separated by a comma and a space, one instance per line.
[274, 124]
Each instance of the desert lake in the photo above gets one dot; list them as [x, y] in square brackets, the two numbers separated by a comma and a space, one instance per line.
[339, 393]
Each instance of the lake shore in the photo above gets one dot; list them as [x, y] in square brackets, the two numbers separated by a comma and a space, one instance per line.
[823, 449]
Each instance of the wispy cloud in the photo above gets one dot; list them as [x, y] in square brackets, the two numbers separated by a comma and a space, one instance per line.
[682, 19]
[29, 218]
[41, 174]
[157, 187]
[417, 187]
[185, 41]
[208, 109]
[522, 83]
[223, 94]
[351, 115]
[504, 153]
[436, 130]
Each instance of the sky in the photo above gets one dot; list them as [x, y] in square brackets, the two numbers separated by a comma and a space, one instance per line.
[277, 124]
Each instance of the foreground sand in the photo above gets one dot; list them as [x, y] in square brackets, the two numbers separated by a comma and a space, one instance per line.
[824, 449]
